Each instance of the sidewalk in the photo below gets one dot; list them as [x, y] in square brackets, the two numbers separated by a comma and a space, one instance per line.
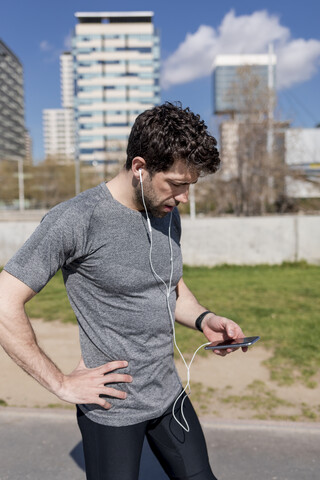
[45, 445]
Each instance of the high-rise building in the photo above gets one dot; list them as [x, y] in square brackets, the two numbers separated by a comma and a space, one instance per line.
[302, 154]
[66, 80]
[12, 124]
[229, 141]
[58, 123]
[227, 77]
[58, 127]
[242, 90]
[28, 148]
[117, 69]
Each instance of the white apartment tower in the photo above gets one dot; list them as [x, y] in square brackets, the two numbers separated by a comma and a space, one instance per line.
[58, 123]
[117, 68]
[58, 126]
[66, 80]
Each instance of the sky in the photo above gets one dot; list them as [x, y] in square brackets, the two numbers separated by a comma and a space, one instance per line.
[192, 34]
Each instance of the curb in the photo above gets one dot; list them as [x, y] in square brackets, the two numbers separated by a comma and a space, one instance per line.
[218, 424]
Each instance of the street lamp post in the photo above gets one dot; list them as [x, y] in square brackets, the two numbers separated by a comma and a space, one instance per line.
[21, 184]
[19, 161]
[192, 203]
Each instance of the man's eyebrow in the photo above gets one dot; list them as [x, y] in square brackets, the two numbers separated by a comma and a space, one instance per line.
[183, 183]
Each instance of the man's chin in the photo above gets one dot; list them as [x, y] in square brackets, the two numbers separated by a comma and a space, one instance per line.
[159, 212]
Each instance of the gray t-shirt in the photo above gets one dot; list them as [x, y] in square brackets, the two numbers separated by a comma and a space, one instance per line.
[103, 248]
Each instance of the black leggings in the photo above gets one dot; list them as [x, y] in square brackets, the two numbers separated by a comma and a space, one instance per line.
[113, 453]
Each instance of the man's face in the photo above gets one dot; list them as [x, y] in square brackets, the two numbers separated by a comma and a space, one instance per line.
[165, 190]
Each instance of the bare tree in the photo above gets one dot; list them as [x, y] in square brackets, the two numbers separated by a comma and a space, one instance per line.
[258, 170]
[49, 183]
[9, 189]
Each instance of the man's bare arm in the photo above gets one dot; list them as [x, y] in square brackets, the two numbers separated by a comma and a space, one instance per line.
[18, 339]
[214, 327]
[187, 307]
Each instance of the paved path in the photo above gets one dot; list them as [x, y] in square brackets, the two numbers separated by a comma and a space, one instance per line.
[45, 445]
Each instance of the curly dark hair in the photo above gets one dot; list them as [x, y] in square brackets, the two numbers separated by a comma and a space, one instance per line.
[167, 133]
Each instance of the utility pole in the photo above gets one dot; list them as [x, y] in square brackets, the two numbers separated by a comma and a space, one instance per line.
[270, 132]
[192, 203]
[21, 184]
[20, 176]
[77, 163]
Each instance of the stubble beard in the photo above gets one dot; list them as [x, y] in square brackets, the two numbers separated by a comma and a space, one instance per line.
[150, 201]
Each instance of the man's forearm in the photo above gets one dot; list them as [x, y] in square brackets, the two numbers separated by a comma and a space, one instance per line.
[18, 339]
[187, 306]
[214, 327]
[83, 385]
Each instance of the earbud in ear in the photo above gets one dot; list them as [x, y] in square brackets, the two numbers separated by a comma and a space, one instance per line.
[140, 175]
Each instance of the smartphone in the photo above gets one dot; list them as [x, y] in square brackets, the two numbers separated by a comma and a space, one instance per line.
[232, 343]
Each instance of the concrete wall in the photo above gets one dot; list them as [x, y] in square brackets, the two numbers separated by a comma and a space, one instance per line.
[12, 236]
[251, 240]
[213, 241]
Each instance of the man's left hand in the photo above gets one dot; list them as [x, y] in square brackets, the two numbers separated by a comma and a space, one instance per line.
[219, 329]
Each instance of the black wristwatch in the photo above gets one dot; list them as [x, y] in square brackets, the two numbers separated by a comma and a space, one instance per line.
[200, 318]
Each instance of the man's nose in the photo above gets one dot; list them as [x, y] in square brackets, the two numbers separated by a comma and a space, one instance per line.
[182, 197]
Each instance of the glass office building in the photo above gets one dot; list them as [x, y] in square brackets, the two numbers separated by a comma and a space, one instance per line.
[12, 124]
[227, 76]
[116, 57]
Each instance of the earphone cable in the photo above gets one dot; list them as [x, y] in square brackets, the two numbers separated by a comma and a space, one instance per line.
[185, 427]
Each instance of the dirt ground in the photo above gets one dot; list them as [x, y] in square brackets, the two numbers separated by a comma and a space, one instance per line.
[237, 386]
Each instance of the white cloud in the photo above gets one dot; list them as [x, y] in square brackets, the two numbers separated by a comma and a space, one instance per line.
[68, 42]
[51, 52]
[45, 46]
[192, 59]
[298, 59]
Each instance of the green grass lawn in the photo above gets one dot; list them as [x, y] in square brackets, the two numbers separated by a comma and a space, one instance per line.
[279, 303]
[52, 302]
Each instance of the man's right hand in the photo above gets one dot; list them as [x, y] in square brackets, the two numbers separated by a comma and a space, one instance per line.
[85, 385]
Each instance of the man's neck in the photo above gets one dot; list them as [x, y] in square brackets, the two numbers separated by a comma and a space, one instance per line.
[122, 188]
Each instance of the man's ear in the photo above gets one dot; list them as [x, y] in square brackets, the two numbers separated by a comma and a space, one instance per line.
[138, 163]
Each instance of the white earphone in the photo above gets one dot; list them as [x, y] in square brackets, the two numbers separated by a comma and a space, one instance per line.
[144, 203]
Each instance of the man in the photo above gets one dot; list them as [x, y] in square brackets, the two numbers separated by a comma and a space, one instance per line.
[118, 246]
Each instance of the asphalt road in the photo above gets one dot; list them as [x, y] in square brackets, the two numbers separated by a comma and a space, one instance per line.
[45, 445]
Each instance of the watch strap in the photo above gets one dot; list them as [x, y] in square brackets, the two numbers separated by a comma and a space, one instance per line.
[200, 318]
